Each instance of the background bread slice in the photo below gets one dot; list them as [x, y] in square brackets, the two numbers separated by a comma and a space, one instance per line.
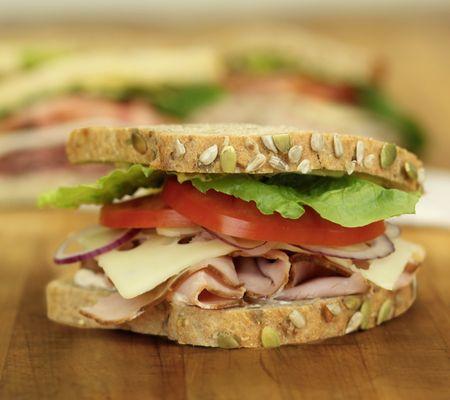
[317, 55]
[252, 326]
[246, 148]
[297, 110]
[108, 70]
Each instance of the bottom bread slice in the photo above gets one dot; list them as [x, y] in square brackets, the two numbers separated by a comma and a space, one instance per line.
[263, 324]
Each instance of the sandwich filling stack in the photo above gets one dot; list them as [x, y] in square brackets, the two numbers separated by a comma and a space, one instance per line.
[237, 235]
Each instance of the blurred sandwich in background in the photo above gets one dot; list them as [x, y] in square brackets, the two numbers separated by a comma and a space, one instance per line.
[283, 74]
[39, 106]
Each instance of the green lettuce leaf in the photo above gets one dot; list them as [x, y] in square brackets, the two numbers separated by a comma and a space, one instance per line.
[33, 57]
[261, 62]
[347, 201]
[181, 102]
[176, 101]
[117, 184]
[268, 198]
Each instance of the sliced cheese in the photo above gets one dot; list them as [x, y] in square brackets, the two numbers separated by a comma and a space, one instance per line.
[141, 269]
[385, 272]
[178, 232]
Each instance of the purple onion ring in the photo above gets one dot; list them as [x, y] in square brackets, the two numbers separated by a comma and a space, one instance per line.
[233, 241]
[123, 236]
[379, 247]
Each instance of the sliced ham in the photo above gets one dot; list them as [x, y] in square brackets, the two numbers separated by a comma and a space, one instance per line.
[226, 281]
[312, 276]
[205, 290]
[220, 267]
[263, 276]
[404, 279]
[266, 84]
[68, 108]
[323, 265]
[412, 267]
[50, 153]
[115, 310]
[211, 284]
[302, 271]
[257, 251]
[223, 268]
[20, 162]
[262, 84]
[325, 287]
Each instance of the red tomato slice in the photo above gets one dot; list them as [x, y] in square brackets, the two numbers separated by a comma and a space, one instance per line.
[226, 214]
[143, 212]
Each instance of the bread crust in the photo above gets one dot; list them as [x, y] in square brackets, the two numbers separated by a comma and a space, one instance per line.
[284, 322]
[246, 148]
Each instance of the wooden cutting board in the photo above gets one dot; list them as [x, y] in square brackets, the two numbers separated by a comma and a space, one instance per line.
[406, 358]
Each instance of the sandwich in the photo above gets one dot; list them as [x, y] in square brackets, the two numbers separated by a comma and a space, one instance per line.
[307, 68]
[237, 235]
[92, 87]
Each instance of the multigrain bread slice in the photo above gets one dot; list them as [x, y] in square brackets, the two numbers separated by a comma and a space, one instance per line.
[268, 324]
[247, 148]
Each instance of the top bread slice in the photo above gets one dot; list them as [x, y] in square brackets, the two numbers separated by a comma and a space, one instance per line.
[247, 148]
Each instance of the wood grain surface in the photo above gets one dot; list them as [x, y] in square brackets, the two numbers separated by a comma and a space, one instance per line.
[407, 358]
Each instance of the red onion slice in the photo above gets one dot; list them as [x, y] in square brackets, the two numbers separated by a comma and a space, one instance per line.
[392, 231]
[242, 244]
[96, 239]
[380, 247]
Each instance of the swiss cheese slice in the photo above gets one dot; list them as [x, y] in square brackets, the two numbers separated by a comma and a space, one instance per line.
[141, 269]
[385, 272]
